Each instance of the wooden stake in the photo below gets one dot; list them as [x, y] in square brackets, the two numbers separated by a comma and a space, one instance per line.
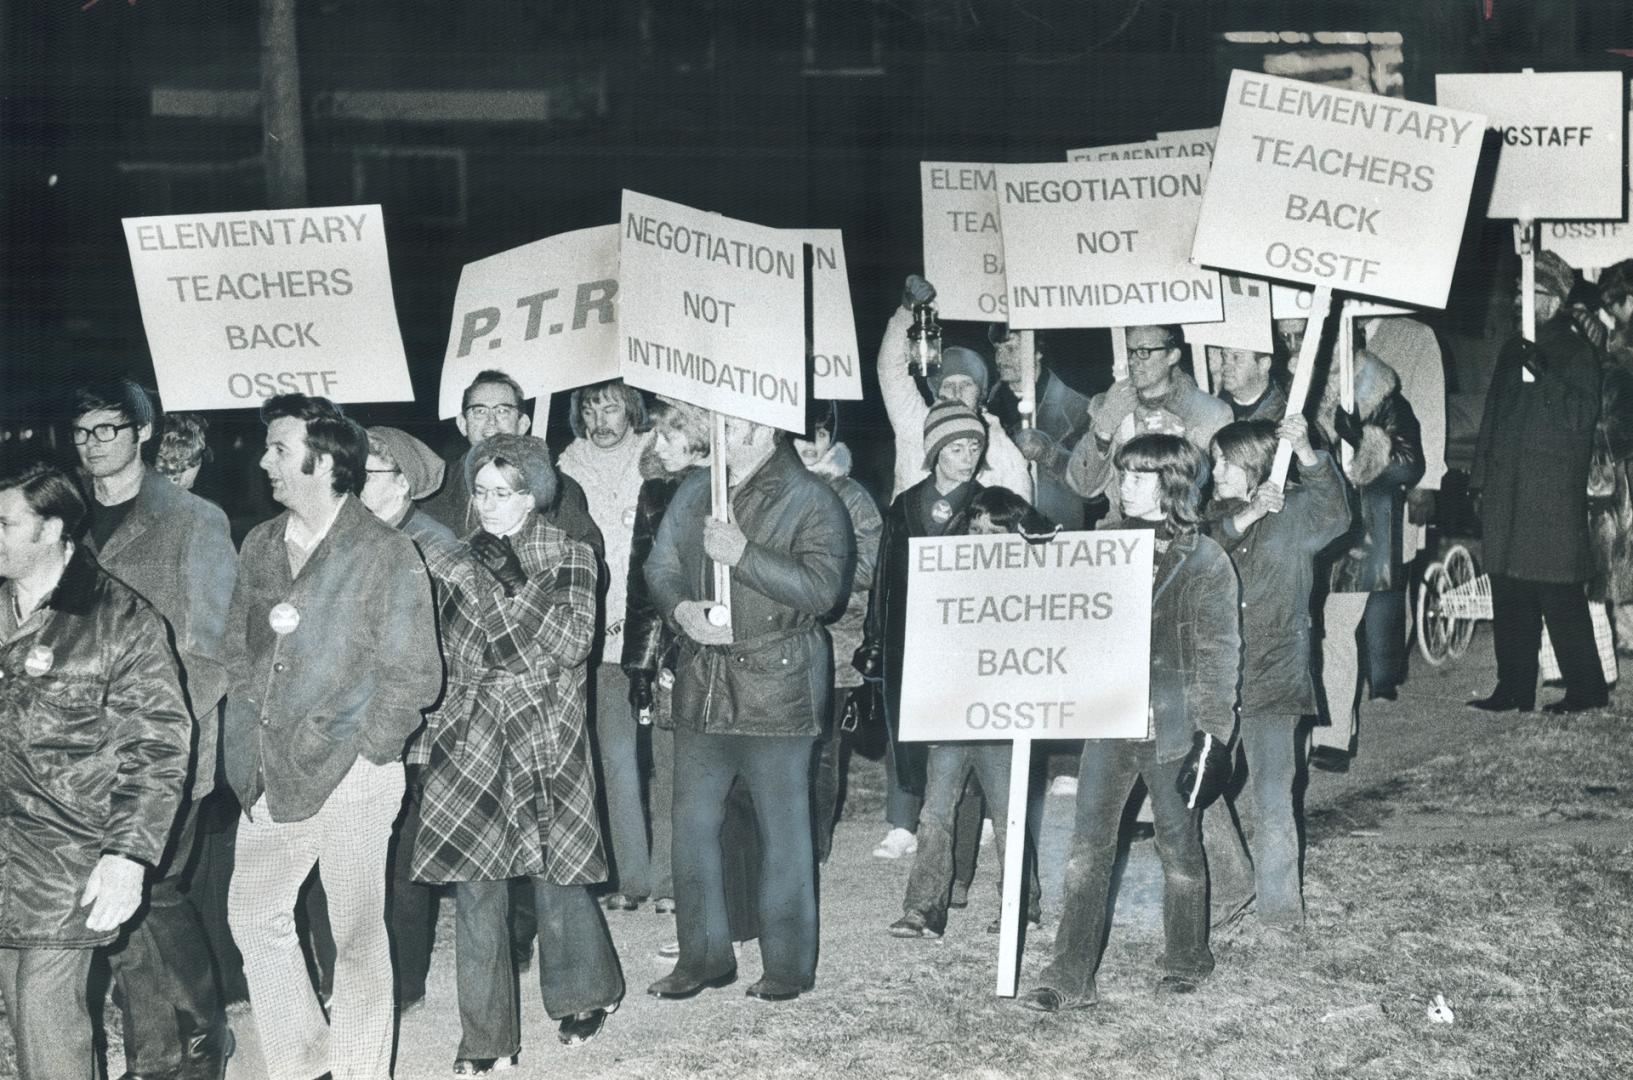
[1344, 346]
[1525, 242]
[1320, 302]
[1009, 959]
[1029, 397]
[720, 510]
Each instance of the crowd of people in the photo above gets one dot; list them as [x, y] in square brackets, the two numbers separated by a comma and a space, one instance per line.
[507, 674]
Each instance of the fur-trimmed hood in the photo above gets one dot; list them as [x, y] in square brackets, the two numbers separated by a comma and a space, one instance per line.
[835, 463]
[1375, 381]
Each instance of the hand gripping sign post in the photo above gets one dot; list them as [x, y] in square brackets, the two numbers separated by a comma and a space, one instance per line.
[1104, 243]
[239, 307]
[1339, 190]
[1016, 640]
[963, 245]
[712, 312]
[544, 313]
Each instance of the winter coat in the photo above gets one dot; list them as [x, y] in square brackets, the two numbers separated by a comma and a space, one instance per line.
[350, 679]
[648, 642]
[452, 568]
[1276, 562]
[910, 515]
[94, 742]
[510, 787]
[1003, 465]
[866, 525]
[1196, 645]
[1272, 404]
[1387, 461]
[611, 480]
[175, 549]
[1610, 518]
[776, 676]
[1531, 458]
[452, 506]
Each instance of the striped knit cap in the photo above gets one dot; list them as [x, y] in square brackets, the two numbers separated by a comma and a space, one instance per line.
[949, 420]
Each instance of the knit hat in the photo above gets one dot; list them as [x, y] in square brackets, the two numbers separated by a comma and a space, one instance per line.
[959, 360]
[419, 466]
[1554, 274]
[947, 421]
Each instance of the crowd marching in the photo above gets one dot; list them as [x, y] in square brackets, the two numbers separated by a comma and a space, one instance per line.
[505, 673]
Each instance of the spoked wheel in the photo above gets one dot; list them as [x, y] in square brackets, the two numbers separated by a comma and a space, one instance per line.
[1436, 629]
[1461, 572]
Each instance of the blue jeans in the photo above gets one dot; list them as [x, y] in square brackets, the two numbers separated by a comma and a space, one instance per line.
[615, 730]
[44, 992]
[776, 770]
[930, 884]
[1106, 778]
[578, 969]
[1270, 744]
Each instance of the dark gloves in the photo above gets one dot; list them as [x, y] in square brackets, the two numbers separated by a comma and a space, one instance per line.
[640, 692]
[1206, 772]
[496, 554]
[1347, 425]
[917, 291]
[858, 708]
[870, 661]
[1420, 506]
[1530, 358]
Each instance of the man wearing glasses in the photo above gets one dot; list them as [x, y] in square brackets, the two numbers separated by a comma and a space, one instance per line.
[1157, 396]
[175, 549]
[492, 405]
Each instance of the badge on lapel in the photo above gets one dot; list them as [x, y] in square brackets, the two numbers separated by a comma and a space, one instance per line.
[283, 618]
[39, 660]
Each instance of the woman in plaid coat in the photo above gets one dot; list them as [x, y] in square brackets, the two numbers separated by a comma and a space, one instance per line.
[510, 788]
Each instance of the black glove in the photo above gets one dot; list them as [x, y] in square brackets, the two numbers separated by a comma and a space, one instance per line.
[917, 291]
[1206, 772]
[858, 708]
[496, 554]
[870, 661]
[1530, 358]
[1347, 425]
[640, 692]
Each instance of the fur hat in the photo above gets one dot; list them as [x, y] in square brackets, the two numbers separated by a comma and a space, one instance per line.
[961, 360]
[1554, 274]
[524, 453]
[947, 421]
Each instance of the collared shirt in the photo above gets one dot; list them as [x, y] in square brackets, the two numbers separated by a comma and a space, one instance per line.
[300, 551]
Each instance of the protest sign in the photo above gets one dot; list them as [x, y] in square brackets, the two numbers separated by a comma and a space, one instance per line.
[1049, 640]
[1324, 186]
[1104, 243]
[711, 310]
[835, 375]
[1247, 318]
[963, 247]
[1146, 149]
[1287, 302]
[1198, 141]
[239, 307]
[544, 313]
[1562, 140]
[1589, 245]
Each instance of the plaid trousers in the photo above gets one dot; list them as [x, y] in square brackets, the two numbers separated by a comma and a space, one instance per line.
[348, 839]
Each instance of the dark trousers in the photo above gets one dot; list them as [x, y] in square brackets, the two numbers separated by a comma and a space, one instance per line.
[1518, 608]
[578, 969]
[1384, 630]
[776, 772]
[163, 973]
[825, 776]
[410, 904]
[212, 875]
[1107, 776]
[44, 992]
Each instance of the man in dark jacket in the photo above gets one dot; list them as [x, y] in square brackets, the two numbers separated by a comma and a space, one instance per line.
[175, 549]
[1531, 470]
[750, 697]
[94, 742]
[332, 650]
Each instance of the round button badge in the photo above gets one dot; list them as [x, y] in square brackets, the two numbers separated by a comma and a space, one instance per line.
[283, 618]
[39, 660]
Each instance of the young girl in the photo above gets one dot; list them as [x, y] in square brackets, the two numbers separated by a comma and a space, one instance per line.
[1273, 539]
[1184, 758]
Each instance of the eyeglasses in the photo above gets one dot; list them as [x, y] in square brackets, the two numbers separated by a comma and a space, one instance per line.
[1145, 352]
[378, 471]
[498, 412]
[495, 494]
[103, 433]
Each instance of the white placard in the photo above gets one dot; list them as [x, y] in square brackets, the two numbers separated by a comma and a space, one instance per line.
[1562, 140]
[1012, 639]
[835, 375]
[544, 313]
[1247, 318]
[1287, 302]
[1593, 245]
[239, 307]
[712, 311]
[1198, 141]
[963, 243]
[1322, 186]
[1105, 243]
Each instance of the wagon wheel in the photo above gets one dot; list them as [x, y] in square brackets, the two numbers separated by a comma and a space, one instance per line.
[1461, 571]
[1435, 628]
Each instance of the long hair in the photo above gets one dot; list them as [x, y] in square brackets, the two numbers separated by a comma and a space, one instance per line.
[1183, 473]
[612, 389]
[1250, 445]
[688, 421]
[1009, 512]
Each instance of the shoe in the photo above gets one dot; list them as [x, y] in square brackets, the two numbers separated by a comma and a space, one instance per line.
[205, 1057]
[1041, 999]
[1501, 702]
[483, 1066]
[669, 950]
[677, 986]
[960, 895]
[1064, 784]
[912, 925]
[581, 1027]
[996, 926]
[664, 905]
[1388, 693]
[1567, 704]
[897, 842]
[1329, 759]
[1176, 984]
[619, 902]
[769, 989]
